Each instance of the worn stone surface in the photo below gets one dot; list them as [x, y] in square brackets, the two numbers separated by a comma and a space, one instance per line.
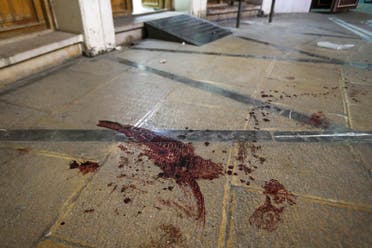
[34, 192]
[304, 224]
[46, 204]
[51, 244]
[326, 170]
[133, 215]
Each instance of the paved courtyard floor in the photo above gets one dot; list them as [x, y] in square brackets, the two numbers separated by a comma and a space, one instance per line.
[259, 139]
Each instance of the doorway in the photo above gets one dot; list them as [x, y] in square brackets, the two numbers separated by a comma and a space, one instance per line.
[24, 16]
[137, 7]
[334, 5]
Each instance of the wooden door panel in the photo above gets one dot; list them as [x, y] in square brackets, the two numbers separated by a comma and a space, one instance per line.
[334, 5]
[321, 4]
[347, 3]
[21, 16]
[340, 5]
[158, 4]
[121, 7]
[152, 3]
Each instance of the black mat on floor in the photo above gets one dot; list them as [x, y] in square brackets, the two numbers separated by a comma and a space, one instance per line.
[185, 28]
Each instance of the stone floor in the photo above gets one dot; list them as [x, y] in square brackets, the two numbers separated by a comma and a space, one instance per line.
[269, 143]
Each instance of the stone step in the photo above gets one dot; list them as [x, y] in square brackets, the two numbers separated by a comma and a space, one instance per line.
[23, 56]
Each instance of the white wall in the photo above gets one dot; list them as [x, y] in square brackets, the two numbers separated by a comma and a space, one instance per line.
[182, 5]
[287, 6]
[92, 18]
[67, 15]
[199, 8]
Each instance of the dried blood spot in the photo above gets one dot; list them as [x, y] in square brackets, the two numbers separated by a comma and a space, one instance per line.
[127, 200]
[290, 78]
[206, 143]
[319, 120]
[169, 236]
[89, 210]
[84, 167]
[246, 169]
[279, 193]
[177, 160]
[267, 216]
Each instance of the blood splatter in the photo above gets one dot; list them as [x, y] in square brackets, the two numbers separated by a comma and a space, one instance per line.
[267, 216]
[279, 193]
[177, 160]
[84, 167]
[170, 236]
[319, 119]
[189, 211]
[246, 169]
[248, 166]
[127, 200]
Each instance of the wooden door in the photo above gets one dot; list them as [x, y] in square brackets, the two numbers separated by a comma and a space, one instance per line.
[334, 5]
[339, 5]
[23, 16]
[121, 7]
[321, 4]
[158, 4]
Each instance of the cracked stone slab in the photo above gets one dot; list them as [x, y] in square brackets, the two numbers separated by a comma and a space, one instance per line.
[127, 206]
[328, 170]
[305, 224]
[33, 190]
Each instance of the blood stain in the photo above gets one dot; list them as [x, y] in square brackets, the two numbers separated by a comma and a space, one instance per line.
[319, 119]
[170, 236]
[290, 78]
[246, 169]
[127, 200]
[84, 167]
[279, 193]
[206, 143]
[89, 210]
[177, 160]
[267, 216]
